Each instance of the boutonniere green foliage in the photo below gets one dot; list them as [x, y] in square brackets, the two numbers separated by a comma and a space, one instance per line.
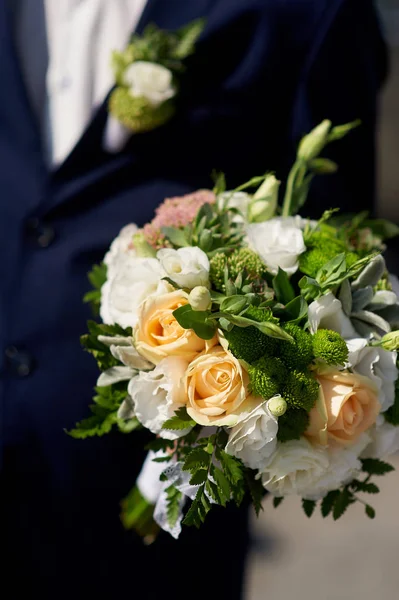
[147, 75]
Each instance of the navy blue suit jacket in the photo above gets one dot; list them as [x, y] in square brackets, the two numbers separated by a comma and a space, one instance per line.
[264, 73]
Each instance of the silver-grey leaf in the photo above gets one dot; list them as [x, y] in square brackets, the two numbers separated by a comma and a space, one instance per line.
[361, 298]
[345, 297]
[115, 375]
[363, 329]
[126, 409]
[372, 319]
[371, 274]
[382, 299]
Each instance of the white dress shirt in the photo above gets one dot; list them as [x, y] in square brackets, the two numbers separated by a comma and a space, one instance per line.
[76, 63]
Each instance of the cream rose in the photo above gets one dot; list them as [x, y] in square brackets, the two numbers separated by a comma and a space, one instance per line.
[158, 334]
[216, 386]
[347, 407]
[151, 81]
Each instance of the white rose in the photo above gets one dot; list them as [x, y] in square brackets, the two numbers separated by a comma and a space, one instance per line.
[254, 439]
[278, 242]
[157, 394]
[298, 468]
[326, 313]
[188, 267]
[237, 200]
[151, 81]
[377, 364]
[384, 440]
[123, 293]
[121, 250]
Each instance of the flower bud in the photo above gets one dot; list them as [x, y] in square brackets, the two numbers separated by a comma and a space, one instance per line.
[142, 247]
[264, 203]
[312, 144]
[390, 341]
[200, 298]
[277, 406]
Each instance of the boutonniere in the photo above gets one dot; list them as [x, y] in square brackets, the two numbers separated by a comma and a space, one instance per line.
[147, 75]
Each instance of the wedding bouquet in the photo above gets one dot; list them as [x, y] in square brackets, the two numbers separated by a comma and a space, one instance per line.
[258, 346]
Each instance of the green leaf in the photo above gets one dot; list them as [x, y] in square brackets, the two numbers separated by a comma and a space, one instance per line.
[234, 304]
[328, 502]
[188, 37]
[332, 271]
[100, 351]
[283, 288]
[341, 131]
[199, 477]
[323, 166]
[370, 512]
[309, 287]
[181, 420]
[220, 183]
[277, 500]
[373, 466]
[98, 275]
[197, 320]
[367, 488]
[296, 310]
[173, 500]
[343, 500]
[266, 327]
[96, 425]
[213, 491]
[232, 467]
[198, 509]
[256, 490]
[176, 236]
[222, 482]
[253, 182]
[160, 444]
[197, 459]
[308, 507]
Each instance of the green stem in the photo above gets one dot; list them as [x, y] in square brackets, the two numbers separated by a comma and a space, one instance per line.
[137, 513]
[289, 191]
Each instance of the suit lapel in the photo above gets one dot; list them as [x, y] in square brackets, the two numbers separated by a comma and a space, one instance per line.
[89, 150]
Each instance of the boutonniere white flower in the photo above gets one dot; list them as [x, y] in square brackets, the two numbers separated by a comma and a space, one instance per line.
[147, 76]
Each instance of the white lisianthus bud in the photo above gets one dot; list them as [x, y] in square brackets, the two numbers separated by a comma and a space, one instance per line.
[264, 202]
[277, 406]
[390, 341]
[200, 298]
[313, 143]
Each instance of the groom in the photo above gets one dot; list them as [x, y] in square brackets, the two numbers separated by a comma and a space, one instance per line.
[264, 73]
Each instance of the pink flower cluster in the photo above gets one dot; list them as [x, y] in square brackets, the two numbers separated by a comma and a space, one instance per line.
[175, 212]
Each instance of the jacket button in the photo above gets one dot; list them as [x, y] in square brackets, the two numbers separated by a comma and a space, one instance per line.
[40, 233]
[19, 363]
